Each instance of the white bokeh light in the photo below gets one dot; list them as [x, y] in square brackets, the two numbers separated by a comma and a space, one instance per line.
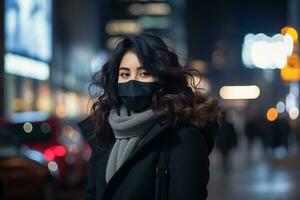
[280, 107]
[294, 113]
[266, 52]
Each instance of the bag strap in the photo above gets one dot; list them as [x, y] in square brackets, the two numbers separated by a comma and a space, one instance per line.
[161, 176]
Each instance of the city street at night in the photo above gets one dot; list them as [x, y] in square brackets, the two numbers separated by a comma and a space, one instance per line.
[149, 100]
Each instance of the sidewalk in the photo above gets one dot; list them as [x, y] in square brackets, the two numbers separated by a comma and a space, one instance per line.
[255, 177]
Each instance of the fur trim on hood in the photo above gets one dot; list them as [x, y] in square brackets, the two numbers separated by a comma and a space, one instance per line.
[206, 111]
[206, 115]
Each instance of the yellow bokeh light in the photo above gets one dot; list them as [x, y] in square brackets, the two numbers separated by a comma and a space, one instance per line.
[60, 111]
[291, 71]
[291, 31]
[272, 114]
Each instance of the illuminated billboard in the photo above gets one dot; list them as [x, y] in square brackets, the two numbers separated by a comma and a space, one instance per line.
[28, 28]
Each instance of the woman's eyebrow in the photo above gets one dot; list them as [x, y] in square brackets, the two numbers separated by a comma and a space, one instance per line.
[128, 69]
[140, 68]
[124, 68]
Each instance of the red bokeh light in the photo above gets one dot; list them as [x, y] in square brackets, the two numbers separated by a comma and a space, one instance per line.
[55, 151]
[60, 151]
[49, 155]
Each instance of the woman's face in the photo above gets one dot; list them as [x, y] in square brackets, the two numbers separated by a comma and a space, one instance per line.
[131, 69]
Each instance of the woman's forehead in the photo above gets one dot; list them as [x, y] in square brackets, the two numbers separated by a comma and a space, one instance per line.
[130, 61]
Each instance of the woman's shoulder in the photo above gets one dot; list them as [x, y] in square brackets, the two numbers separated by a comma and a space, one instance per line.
[191, 128]
[185, 129]
[86, 128]
[191, 134]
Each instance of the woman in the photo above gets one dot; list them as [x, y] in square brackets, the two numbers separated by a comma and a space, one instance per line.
[153, 131]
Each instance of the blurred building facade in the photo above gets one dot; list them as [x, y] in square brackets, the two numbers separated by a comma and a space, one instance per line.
[46, 57]
[164, 18]
[1, 58]
[50, 49]
[81, 34]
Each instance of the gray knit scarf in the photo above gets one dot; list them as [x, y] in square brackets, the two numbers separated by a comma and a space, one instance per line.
[128, 131]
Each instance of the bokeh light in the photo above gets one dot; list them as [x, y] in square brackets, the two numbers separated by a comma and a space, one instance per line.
[27, 127]
[272, 114]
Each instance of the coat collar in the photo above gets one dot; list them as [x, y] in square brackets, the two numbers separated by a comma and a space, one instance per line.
[156, 130]
[87, 131]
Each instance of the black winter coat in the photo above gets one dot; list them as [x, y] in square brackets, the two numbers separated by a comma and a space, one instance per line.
[188, 166]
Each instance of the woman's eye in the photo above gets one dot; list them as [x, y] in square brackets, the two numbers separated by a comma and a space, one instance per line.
[124, 75]
[143, 74]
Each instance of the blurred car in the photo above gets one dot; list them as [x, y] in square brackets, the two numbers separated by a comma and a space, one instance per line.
[58, 143]
[21, 177]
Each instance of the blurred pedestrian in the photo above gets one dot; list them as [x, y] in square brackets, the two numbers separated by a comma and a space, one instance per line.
[150, 132]
[252, 130]
[226, 141]
[279, 133]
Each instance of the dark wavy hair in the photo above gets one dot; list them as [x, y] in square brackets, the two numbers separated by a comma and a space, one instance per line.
[176, 98]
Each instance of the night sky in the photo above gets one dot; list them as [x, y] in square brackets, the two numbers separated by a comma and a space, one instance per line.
[222, 25]
[230, 19]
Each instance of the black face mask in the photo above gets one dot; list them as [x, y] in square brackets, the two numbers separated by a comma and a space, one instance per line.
[137, 96]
